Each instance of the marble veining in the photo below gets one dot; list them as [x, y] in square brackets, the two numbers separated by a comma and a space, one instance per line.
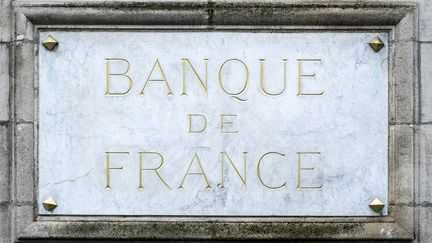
[347, 125]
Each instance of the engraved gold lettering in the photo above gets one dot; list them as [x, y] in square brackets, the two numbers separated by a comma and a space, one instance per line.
[246, 82]
[203, 83]
[203, 118]
[109, 74]
[242, 178]
[259, 171]
[262, 78]
[164, 79]
[224, 123]
[301, 75]
[141, 155]
[108, 168]
[195, 158]
[300, 168]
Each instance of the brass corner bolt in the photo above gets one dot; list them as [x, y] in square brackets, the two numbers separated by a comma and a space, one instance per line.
[376, 44]
[376, 205]
[50, 43]
[49, 204]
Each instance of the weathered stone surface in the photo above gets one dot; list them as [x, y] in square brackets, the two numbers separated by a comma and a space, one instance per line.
[24, 28]
[425, 20]
[424, 223]
[324, 13]
[221, 12]
[5, 223]
[400, 161]
[207, 230]
[406, 29]
[4, 82]
[424, 191]
[24, 83]
[424, 137]
[23, 203]
[4, 164]
[5, 185]
[152, 12]
[425, 217]
[23, 217]
[426, 82]
[5, 21]
[402, 82]
[24, 177]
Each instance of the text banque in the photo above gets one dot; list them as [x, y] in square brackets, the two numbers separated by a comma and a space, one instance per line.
[226, 120]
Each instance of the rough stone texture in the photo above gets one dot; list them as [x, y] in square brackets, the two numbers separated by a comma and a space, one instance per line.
[425, 167]
[5, 21]
[425, 20]
[424, 181]
[424, 223]
[4, 82]
[4, 164]
[5, 39]
[424, 134]
[24, 193]
[403, 55]
[4, 185]
[426, 82]
[405, 31]
[5, 226]
[424, 191]
[24, 89]
[400, 161]
[405, 116]
[24, 164]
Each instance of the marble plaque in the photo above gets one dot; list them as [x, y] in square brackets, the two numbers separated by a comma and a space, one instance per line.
[213, 123]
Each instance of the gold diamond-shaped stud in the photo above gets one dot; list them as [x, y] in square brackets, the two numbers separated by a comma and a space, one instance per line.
[376, 205]
[49, 204]
[376, 44]
[50, 43]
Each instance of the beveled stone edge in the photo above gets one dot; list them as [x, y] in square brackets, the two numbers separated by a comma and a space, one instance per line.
[216, 12]
[220, 230]
[402, 228]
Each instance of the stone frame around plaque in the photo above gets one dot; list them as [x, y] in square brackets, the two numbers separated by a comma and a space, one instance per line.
[397, 18]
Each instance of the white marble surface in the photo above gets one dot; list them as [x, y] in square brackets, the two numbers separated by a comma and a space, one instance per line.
[348, 124]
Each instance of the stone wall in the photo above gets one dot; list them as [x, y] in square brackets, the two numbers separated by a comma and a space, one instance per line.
[16, 115]
[424, 126]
